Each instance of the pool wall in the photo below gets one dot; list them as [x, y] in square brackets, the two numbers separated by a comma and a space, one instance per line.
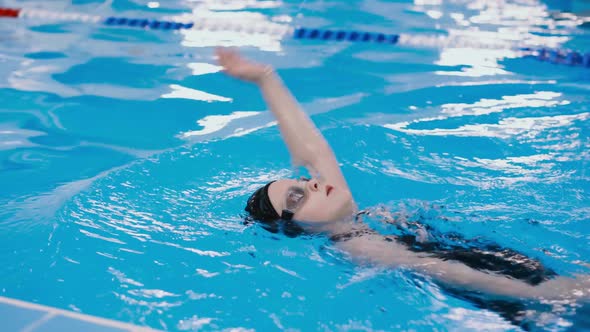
[28, 317]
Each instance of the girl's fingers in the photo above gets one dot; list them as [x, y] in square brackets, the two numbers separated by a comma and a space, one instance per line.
[224, 52]
[224, 56]
[227, 58]
[220, 54]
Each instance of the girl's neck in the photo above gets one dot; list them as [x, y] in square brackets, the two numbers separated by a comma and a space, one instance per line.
[345, 226]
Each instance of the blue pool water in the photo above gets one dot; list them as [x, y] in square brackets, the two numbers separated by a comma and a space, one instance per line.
[126, 158]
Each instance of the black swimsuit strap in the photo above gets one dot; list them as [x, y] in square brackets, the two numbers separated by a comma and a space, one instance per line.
[342, 237]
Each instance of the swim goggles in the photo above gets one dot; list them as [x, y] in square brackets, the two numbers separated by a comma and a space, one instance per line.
[295, 199]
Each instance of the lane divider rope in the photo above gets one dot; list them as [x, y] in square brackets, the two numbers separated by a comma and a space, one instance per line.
[556, 56]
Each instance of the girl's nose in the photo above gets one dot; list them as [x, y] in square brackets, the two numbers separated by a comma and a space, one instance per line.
[313, 185]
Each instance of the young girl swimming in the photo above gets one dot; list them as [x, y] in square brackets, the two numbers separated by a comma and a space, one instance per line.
[324, 204]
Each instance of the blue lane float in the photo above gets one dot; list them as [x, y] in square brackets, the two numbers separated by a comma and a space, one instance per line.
[144, 23]
[339, 35]
[555, 56]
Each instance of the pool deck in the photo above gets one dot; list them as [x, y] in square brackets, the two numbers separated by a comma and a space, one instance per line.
[16, 315]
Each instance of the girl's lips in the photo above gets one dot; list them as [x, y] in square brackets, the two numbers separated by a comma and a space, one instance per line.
[328, 189]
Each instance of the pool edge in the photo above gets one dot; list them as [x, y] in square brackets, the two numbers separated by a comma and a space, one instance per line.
[50, 313]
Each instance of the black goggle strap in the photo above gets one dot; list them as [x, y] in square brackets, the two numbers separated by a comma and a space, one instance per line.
[287, 215]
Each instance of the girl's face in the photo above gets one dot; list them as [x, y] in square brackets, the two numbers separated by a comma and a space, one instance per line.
[312, 201]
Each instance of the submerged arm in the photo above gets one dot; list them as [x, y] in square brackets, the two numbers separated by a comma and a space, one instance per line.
[374, 249]
[304, 141]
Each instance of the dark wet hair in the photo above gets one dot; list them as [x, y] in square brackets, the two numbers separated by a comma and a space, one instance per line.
[259, 208]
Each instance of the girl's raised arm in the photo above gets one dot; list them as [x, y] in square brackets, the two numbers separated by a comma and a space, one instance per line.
[306, 144]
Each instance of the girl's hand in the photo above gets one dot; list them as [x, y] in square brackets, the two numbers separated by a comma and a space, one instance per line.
[237, 66]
